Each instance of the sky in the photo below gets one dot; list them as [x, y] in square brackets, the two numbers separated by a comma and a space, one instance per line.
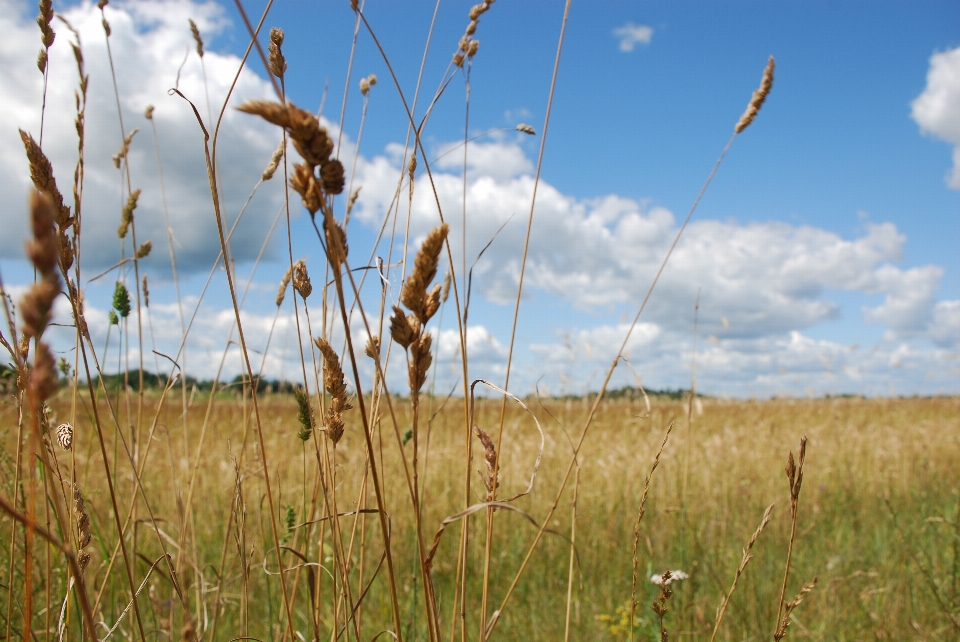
[824, 251]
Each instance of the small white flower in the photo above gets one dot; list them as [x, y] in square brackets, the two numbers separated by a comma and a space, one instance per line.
[675, 576]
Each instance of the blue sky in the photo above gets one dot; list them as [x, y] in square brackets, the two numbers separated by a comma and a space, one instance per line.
[825, 248]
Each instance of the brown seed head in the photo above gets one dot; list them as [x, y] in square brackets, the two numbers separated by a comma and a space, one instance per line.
[42, 61]
[146, 293]
[526, 129]
[433, 301]
[196, 37]
[335, 385]
[304, 183]
[489, 460]
[474, 46]
[420, 359]
[424, 271]
[458, 59]
[372, 349]
[400, 328]
[278, 64]
[41, 173]
[148, 112]
[301, 280]
[43, 250]
[47, 35]
[759, 95]
[336, 240]
[43, 376]
[331, 175]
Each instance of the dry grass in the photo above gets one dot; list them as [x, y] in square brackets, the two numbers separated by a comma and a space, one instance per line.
[237, 514]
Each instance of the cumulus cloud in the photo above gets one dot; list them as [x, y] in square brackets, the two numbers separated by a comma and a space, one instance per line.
[937, 109]
[631, 34]
[762, 278]
[150, 39]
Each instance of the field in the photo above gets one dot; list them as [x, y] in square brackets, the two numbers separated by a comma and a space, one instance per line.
[355, 502]
[877, 522]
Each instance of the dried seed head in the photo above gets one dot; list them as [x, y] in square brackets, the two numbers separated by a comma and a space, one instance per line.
[304, 183]
[372, 79]
[36, 306]
[335, 385]
[353, 200]
[144, 250]
[65, 436]
[489, 460]
[77, 298]
[372, 349]
[458, 59]
[124, 148]
[331, 175]
[43, 250]
[759, 95]
[196, 37]
[148, 112]
[364, 85]
[146, 293]
[309, 138]
[47, 35]
[41, 173]
[526, 129]
[42, 61]
[420, 359]
[43, 376]
[284, 282]
[83, 559]
[472, 27]
[126, 216]
[301, 280]
[400, 328]
[274, 163]
[472, 50]
[424, 270]
[433, 301]
[278, 64]
[336, 240]
[446, 287]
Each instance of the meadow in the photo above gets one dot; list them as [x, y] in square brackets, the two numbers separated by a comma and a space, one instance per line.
[365, 505]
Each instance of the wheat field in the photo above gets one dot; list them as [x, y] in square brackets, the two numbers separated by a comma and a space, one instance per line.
[357, 502]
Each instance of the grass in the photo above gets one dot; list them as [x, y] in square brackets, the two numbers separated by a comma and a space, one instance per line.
[234, 511]
[862, 454]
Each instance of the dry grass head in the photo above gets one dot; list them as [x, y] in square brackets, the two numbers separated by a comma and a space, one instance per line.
[301, 280]
[759, 95]
[274, 163]
[196, 37]
[414, 294]
[335, 385]
[489, 460]
[278, 64]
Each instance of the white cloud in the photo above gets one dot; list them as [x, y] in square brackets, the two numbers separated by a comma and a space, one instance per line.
[937, 109]
[150, 39]
[497, 160]
[630, 34]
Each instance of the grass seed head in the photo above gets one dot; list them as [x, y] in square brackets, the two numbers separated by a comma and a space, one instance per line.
[284, 282]
[759, 95]
[274, 163]
[196, 37]
[278, 64]
[301, 280]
